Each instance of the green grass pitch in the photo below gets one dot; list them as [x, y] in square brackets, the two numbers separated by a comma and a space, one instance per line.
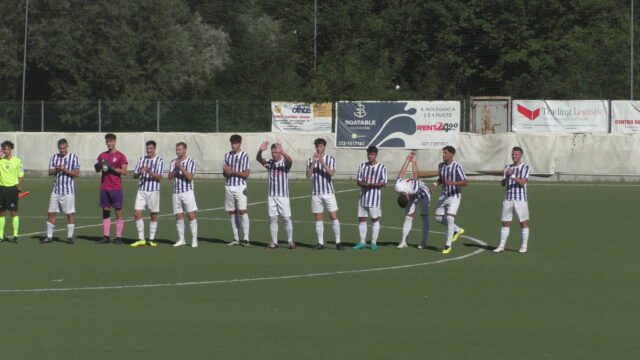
[573, 296]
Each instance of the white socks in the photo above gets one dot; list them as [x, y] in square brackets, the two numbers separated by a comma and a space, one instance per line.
[193, 224]
[335, 225]
[153, 226]
[288, 226]
[406, 228]
[375, 231]
[451, 228]
[274, 229]
[234, 227]
[525, 237]
[180, 227]
[140, 227]
[320, 232]
[504, 234]
[70, 228]
[362, 229]
[245, 225]
[50, 228]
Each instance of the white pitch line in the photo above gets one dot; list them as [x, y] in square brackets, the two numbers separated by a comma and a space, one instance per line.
[245, 280]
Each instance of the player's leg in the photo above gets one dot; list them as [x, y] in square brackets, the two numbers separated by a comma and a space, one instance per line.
[191, 208]
[68, 206]
[13, 208]
[117, 197]
[273, 221]
[409, 212]
[153, 202]
[284, 210]
[241, 198]
[105, 204]
[178, 211]
[3, 207]
[507, 216]
[230, 207]
[522, 210]
[54, 208]
[317, 208]
[138, 210]
[153, 228]
[376, 215]
[363, 215]
[332, 207]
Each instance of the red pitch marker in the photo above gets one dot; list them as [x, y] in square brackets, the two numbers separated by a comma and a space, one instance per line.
[23, 194]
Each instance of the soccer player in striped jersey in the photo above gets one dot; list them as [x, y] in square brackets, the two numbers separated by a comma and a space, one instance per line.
[181, 172]
[514, 179]
[278, 169]
[320, 168]
[452, 177]
[148, 171]
[372, 175]
[236, 170]
[64, 167]
[113, 165]
[412, 192]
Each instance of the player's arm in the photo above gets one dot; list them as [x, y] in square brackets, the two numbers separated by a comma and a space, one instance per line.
[288, 160]
[98, 165]
[243, 174]
[403, 169]
[185, 172]
[414, 168]
[262, 148]
[326, 167]
[311, 162]
[506, 174]
[20, 184]
[71, 172]
[122, 170]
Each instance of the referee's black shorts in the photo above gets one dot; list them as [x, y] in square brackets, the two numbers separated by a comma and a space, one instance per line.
[8, 198]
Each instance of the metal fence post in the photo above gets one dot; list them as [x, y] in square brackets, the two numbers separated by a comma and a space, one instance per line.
[99, 115]
[158, 116]
[217, 118]
[42, 116]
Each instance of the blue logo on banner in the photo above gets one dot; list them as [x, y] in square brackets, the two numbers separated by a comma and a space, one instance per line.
[361, 124]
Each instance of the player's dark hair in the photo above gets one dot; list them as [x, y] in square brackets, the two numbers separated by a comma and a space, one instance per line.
[150, 142]
[403, 200]
[235, 139]
[8, 144]
[372, 149]
[110, 136]
[517, 148]
[450, 149]
[319, 141]
[62, 141]
[273, 146]
[181, 143]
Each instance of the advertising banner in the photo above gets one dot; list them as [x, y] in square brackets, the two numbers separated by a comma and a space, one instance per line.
[625, 117]
[398, 124]
[567, 116]
[291, 117]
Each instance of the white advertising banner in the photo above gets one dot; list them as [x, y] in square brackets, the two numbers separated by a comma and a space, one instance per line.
[565, 116]
[625, 117]
[397, 124]
[291, 117]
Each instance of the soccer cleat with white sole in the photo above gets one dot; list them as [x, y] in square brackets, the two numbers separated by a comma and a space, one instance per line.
[194, 243]
[447, 250]
[180, 243]
[234, 243]
[499, 249]
[402, 245]
[139, 243]
[457, 234]
[523, 250]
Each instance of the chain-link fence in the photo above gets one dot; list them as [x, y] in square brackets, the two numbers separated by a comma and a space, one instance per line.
[120, 116]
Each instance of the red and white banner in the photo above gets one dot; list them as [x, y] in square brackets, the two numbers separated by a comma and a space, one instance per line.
[568, 116]
[625, 116]
[290, 117]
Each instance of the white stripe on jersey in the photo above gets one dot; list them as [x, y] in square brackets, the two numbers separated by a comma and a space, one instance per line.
[239, 162]
[320, 180]
[514, 191]
[451, 172]
[180, 182]
[371, 197]
[146, 182]
[415, 187]
[64, 184]
[278, 177]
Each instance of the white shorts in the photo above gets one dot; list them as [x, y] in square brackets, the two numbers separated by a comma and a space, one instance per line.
[235, 197]
[366, 211]
[320, 202]
[64, 203]
[450, 204]
[279, 205]
[184, 202]
[521, 209]
[148, 199]
[424, 205]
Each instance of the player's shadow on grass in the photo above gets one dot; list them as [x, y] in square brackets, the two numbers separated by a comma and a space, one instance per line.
[480, 246]
[125, 241]
[55, 239]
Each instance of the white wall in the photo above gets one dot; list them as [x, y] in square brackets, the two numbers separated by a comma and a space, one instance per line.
[581, 154]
